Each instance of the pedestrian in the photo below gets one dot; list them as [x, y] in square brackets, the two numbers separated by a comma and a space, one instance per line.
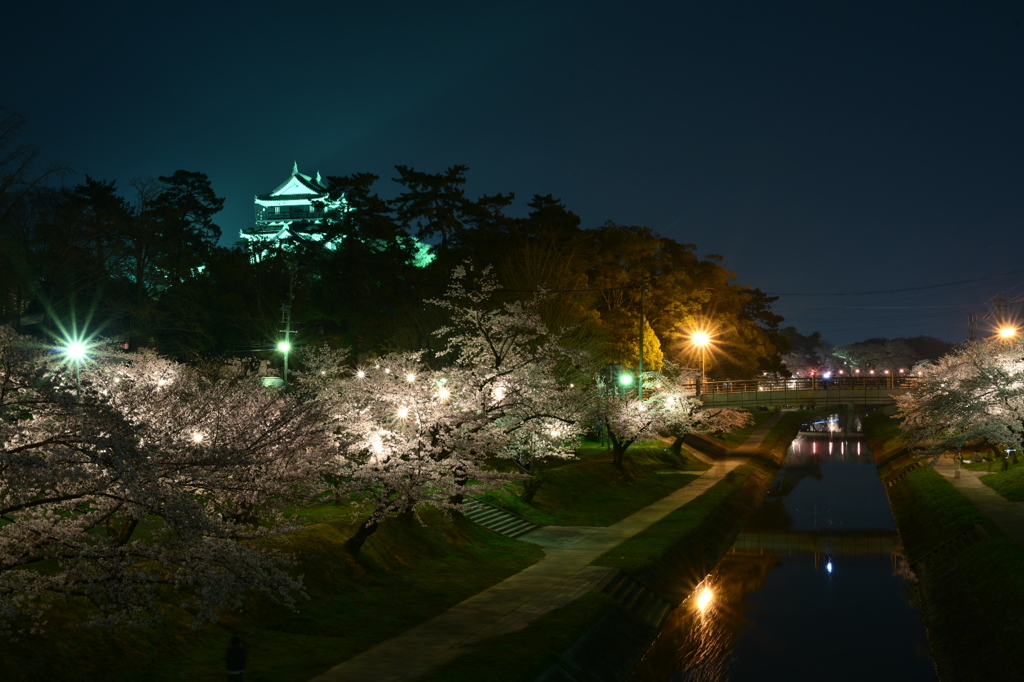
[235, 659]
[958, 459]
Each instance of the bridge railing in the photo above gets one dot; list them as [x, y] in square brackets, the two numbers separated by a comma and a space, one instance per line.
[884, 381]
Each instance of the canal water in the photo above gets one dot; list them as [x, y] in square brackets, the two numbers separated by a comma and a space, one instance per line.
[815, 588]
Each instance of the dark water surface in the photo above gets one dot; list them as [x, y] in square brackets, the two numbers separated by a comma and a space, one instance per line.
[815, 587]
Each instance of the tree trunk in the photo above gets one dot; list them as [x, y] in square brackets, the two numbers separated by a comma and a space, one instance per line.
[619, 454]
[532, 485]
[677, 446]
[369, 527]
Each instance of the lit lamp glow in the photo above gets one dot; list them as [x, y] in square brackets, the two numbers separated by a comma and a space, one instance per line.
[705, 598]
[1007, 332]
[702, 340]
[75, 351]
[285, 347]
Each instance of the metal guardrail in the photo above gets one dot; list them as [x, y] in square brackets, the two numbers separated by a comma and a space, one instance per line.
[878, 382]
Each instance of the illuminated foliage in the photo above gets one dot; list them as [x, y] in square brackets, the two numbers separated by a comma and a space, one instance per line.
[411, 434]
[147, 478]
[973, 395]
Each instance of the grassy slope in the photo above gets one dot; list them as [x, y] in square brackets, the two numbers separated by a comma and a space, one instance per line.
[593, 492]
[525, 654]
[407, 573]
[640, 553]
[989, 574]
[735, 438]
[1009, 484]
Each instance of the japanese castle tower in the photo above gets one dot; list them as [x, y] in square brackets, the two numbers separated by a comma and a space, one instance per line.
[293, 211]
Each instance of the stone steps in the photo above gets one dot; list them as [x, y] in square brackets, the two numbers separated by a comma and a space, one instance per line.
[497, 519]
[637, 598]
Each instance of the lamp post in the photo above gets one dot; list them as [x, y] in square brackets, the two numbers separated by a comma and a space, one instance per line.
[1007, 332]
[285, 347]
[701, 340]
[625, 379]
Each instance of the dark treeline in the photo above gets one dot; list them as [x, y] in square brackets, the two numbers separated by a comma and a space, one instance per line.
[143, 266]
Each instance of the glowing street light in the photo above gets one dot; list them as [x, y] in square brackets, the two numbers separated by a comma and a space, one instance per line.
[702, 340]
[1007, 332]
[76, 351]
[705, 598]
[285, 347]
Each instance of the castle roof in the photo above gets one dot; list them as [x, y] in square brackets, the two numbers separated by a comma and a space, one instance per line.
[296, 186]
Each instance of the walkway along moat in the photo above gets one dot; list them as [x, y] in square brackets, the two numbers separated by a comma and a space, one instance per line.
[814, 588]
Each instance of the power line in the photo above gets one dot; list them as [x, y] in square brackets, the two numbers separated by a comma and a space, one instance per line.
[893, 291]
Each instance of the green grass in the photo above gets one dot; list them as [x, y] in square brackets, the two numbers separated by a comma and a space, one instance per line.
[525, 654]
[882, 434]
[1009, 484]
[640, 553]
[930, 510]
[591, 491]
[736, 438]
[407, 573]
[940, 508]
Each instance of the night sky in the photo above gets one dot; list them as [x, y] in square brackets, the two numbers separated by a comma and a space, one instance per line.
[819, 147]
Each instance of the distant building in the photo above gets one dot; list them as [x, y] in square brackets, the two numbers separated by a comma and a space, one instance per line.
[293, 211]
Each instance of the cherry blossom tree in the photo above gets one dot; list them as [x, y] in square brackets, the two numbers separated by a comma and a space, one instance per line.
[139, 478]
[414, 433]
[974, 395]
[668, 408]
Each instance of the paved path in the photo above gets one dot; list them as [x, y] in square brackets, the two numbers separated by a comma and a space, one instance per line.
[753, 442]
[563, 575]
[1009, 516]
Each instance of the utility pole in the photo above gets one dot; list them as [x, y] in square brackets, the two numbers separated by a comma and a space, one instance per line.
[286, 319]
[1000, 304]
[972, 326]
[640, 372]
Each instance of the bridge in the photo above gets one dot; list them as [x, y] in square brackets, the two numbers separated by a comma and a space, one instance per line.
[816, 544]
[844, 390]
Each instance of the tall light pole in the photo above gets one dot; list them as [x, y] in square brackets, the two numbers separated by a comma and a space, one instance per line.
[285, 347]
[701, 340]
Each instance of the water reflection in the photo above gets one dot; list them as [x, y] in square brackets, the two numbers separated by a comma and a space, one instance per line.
[815, 585]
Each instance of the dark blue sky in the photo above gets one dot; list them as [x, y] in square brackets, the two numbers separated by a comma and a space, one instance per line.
[818, 147]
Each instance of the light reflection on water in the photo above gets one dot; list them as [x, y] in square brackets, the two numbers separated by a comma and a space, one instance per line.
[816, 587]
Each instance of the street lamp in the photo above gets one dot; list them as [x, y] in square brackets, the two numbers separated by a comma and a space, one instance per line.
[1007, 332]
[285, 347]
[76, 351]
[701, 340]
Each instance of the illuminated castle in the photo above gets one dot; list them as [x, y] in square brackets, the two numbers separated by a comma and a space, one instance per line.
[293, 211]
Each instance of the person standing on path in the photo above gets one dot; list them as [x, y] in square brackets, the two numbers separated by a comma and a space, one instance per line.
[235, 659]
